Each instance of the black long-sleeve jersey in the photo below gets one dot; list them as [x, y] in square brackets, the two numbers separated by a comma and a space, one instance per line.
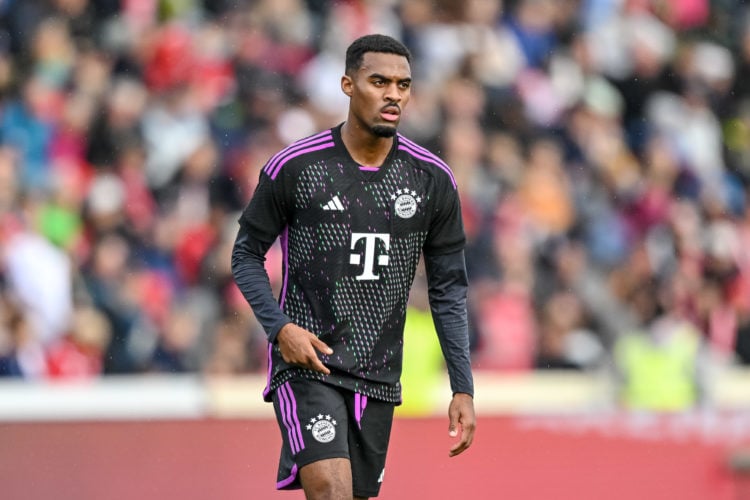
[352, 237]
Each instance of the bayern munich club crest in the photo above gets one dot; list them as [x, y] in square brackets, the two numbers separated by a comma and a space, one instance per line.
[323, 428]
[405, 202]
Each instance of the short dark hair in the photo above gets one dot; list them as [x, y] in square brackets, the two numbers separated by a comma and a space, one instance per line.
[373, 43]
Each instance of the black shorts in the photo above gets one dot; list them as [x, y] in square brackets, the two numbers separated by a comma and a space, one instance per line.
[319, 421]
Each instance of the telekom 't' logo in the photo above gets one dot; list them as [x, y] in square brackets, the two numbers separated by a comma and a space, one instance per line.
[368, 268]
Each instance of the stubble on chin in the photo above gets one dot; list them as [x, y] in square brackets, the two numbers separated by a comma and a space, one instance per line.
[383, 131]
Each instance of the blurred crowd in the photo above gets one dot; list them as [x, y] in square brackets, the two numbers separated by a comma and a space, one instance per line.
[602, 150]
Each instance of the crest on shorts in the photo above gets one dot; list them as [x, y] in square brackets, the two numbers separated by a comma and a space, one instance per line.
[323, 428]
[405, 202]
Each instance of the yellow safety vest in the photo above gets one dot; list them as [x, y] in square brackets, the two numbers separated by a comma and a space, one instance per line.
[659, 377]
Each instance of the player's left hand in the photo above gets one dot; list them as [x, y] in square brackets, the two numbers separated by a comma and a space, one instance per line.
[462, 422]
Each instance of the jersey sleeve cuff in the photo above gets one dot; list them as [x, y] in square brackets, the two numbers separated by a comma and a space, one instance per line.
[274, 330]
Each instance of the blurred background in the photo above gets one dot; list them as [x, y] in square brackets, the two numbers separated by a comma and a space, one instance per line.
[602, 151]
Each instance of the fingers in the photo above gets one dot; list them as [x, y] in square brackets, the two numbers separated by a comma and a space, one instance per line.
[467, 437]
[318, 366]
[452, 422]
[321, 346]
[314, 361]
[461, 422]
[298, 347]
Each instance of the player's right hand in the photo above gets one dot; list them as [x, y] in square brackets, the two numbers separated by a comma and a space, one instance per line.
[298, 347]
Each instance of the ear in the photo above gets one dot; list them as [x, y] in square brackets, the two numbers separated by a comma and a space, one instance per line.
[346, 85]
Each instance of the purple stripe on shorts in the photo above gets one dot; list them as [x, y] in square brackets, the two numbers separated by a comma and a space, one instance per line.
[295, 418]
[285, 407]
[295, 146]
[286, 482]
[433, 160]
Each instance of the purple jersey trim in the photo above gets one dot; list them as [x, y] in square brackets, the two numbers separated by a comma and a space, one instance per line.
[284, 240]
[423, 154]
[270, 366]
[286, 482]
[360, 403]
[273, 170]
[408, 142]
[299, 153]
[369, 169]
[314, 139]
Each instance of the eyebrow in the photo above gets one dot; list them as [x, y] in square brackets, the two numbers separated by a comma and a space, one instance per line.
[383, 77]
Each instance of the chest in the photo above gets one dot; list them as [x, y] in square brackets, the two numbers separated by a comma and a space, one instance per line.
[396, 201]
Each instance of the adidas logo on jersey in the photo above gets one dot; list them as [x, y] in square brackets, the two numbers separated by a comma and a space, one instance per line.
[335, 205]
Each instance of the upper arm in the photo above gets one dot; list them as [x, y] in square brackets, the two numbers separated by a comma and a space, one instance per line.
[268, 212]
[446, 231]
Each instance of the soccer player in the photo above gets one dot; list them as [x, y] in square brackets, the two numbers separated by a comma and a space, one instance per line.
[355, 207]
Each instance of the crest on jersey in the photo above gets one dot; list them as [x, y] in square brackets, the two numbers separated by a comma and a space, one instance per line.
[323, 428]
[405, 202]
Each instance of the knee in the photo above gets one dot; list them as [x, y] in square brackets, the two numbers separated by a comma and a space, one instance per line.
[327, 488]
[327, 480]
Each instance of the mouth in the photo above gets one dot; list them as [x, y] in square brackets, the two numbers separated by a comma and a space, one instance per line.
[390, 113]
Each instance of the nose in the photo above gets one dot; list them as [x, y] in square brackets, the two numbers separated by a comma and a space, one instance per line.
[393, 93]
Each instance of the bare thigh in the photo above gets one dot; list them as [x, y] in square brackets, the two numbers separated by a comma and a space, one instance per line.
[329, 479]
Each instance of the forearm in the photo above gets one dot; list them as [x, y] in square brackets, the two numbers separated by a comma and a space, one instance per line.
[248, 257]
[447, 291]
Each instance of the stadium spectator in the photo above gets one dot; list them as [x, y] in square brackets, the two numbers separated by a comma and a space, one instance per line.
[131, 134]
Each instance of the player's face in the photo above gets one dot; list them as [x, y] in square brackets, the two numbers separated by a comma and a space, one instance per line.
[379, 92]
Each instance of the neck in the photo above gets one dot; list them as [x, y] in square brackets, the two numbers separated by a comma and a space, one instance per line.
[365, 147]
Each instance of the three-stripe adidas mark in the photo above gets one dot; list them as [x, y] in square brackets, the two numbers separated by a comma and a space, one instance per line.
[334, 204]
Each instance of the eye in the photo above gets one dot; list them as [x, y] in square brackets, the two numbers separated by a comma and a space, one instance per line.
[404, 85]
[378, 83]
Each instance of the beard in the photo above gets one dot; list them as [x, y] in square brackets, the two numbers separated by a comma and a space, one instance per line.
[383, 130]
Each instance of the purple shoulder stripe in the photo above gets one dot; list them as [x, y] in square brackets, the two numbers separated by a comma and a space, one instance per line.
[430, 159]
[416, 147]
[301, 146]
[299, 153]
[293, 145]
